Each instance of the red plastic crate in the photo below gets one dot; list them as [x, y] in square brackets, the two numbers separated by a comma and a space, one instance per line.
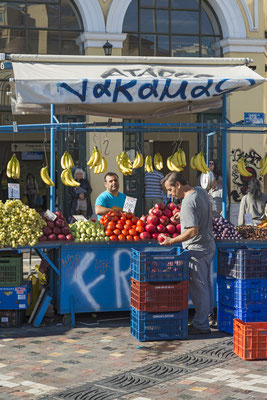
[250, 340]
[159, 296]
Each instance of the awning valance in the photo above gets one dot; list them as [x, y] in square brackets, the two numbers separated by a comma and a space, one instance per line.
[126, 89]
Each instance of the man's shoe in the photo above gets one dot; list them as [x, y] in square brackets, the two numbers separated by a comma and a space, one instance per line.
[193, 330]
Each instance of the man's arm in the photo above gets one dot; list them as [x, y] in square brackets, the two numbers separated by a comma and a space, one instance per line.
[101, 210]
[186, 235]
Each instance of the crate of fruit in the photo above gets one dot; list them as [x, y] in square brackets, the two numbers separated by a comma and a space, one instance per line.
[159, 296]
[11, 318]
[242, 263]
[241, 293]
[250, 340]
[226, 316]
[11, 270]
[16, 297]
[159, 326]
[164, 265]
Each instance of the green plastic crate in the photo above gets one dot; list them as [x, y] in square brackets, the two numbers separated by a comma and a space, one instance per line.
[11, 271]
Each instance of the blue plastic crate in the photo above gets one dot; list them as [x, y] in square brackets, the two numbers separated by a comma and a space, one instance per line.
[242, 263]
[160, 266]
[147, 327]
[16, 297]
[242, 293]
[226, 315]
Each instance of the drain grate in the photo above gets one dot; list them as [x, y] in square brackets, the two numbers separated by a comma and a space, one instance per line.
[161, 371]
[85, 393]
[127, 383]
[141, 378]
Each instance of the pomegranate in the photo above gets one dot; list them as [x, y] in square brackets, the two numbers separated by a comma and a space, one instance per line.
[61, 237]
[178, 228]
[170, 228]
[161, 237]
[164, 220]
[161, 228]
[69, 236]
[47, 231]
[56, 230]
[167, 212]
[53, 236]
[51, 224]
[171, 206]
[150, 228]
[152, 219]
[145, 236]
[150, 212]
[155, 235]
[175, 211]
[175, 234]
[160, 206]
[157, 212]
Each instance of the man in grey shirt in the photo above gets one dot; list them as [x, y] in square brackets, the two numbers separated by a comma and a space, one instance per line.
[197, 237]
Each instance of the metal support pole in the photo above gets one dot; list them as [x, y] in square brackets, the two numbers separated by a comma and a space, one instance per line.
[52, 158]
[207, 146]
[224, 160]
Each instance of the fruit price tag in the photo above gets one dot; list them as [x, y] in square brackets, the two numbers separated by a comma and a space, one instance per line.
[13, 191]
[129, 205]
[79, 218]
[50, 215]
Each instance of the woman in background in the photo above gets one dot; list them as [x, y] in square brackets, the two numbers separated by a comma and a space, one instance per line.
[31, 190]
[80, 196]
[253, 203]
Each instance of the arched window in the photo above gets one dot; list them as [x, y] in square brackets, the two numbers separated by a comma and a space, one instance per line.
[39, 27]
[170, 28]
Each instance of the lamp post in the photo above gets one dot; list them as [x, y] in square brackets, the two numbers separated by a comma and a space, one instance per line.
[107, 48]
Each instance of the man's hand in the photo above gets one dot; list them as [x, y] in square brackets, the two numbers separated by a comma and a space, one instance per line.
[167, 240]
[175, 218]
[116, 208]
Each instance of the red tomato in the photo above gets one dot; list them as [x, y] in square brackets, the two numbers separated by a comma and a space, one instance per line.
[140, 229]
[128, 222]
[135, 220]
[129, 238]
[132, 232]
[129, 215]
[119, 226]
[117, 232]
[125, 232]
[108, 232]
[113, 237]
[136, 238]
[111, 226]
[115, 219]
[123, 219]
[121, 238]
[140, 223]
[117, 213]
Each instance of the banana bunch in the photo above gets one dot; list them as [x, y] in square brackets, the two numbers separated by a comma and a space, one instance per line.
[148, 164]
[13, 168]
[242, 168]
[158, 162]
[45, 176]
[95, 158]
[172, 164]
[198, 162]
[66, 161]
[263, 165]
[102, 166]
[124, 163]
[138, 161]
[67, 178]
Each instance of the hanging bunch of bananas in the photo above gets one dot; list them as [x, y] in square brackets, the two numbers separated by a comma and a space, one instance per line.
[67, 178]
[13, 168]
[177, 161]
[124, 163]
[198, 162]
[263, 165]
[158, 162]
[45, 176]
[138, 161]
[148, 164]
[101, 166]
[95, 158]
[66, 161]
[242, 168]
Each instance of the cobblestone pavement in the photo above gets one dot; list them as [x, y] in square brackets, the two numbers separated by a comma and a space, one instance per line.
[42, 362]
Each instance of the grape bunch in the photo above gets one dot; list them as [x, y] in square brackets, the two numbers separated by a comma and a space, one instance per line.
[19, 224]
[224, 229]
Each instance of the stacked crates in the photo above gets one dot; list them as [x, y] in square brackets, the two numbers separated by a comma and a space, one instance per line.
[159, 294]
[241, 287]
[15, 296]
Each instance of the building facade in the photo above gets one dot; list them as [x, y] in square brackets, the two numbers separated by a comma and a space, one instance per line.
[160, 28]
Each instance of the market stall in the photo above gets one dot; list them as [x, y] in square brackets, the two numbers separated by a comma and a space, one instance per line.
[95, 277]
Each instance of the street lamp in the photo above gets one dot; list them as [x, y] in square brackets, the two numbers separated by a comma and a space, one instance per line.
[107, 48]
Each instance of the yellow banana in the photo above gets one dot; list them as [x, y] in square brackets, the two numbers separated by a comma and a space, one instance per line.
[71, 179]
[183, 158]
[174, 166]
[137, 160]
[148, 164]
[176, 159]
[192, 163]
[64, 179]
[242, 168]
[91, 159]
[17, 169]
[9, 167]
[45, 177]
[69, 162]
[63, 161]
[158, 161]
[198, 163]
[203, 162]
[97, 158]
